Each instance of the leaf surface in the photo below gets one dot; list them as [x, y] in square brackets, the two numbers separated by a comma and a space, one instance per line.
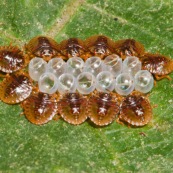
[61, 147]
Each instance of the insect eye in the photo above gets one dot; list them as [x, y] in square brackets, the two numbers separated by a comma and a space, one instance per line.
[46, 52]
[37, 67]
[143, 81]
[124, 84]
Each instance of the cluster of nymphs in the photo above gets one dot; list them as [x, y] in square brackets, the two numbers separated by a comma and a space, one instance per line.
[98, 78]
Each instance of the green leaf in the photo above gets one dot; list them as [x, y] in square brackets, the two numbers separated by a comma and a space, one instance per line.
[61, 147]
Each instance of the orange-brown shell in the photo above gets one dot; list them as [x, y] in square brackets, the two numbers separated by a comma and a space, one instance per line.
[72, 108]
[40, 108]
[73, 47]
[100, 46]
[157, 64]
[12, 59]
[42, 46]
[136, 110]
[128, 47]
[102, 109]
[15, 88]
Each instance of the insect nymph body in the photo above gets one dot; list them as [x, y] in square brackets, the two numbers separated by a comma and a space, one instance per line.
[102, 109]
[15, 88]
[12, 59]
[135, 110]
[72, 108]
[100, 46]
[40, 108]
[72, 47]
[129, 47]
[159, 65]
[43, 47]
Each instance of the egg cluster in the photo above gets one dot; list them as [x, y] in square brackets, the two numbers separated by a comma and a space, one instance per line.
[79, 79]
[104, 76]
